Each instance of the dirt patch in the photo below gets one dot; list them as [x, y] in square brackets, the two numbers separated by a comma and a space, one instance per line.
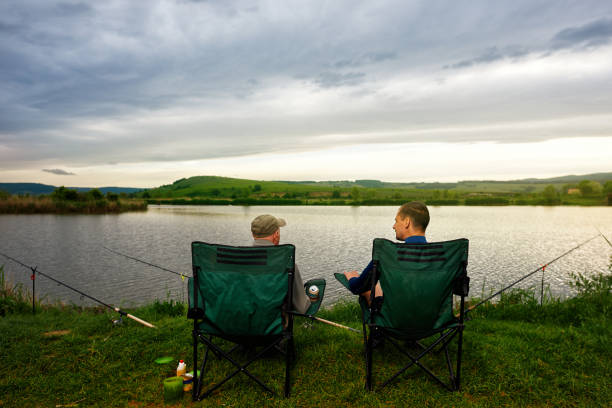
[56, 333]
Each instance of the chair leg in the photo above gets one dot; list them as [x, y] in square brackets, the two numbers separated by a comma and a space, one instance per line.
[415, 361]
[288, 361]
[197, 381]
[450, 366]
[369, 350]
[459, 353]
[195, 392]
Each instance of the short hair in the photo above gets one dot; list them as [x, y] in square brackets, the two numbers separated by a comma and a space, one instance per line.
[418, 213]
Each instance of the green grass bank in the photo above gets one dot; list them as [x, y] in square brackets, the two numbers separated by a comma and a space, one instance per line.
[516, 353]
[214, 190]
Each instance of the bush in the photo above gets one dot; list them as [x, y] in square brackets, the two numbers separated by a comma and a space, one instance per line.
[487, 201]
[13, 299]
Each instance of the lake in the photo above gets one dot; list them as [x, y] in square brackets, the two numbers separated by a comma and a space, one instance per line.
[505, 244]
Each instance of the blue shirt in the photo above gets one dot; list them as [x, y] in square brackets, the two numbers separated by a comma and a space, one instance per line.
[361, 283]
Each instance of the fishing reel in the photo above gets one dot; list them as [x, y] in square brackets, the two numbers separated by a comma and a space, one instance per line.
[118, 322]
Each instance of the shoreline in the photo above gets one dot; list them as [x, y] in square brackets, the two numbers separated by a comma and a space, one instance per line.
[366, 203]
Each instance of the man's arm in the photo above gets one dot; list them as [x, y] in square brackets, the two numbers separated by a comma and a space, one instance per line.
[359, 283]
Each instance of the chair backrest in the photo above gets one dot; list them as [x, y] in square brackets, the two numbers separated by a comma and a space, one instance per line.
[242, 290]
[417, 282]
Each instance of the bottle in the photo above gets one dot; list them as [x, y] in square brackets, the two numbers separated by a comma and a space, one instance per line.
[181, 369]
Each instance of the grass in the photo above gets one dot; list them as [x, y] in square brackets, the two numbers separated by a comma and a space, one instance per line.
[516, 353]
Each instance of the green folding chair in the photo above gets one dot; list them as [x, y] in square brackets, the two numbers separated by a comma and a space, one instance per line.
[418, 283]
[243, 296]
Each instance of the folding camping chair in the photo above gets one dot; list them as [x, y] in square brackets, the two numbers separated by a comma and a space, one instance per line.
[243, 296]
[418, 283]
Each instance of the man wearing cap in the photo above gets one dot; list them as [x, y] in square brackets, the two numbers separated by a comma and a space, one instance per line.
[266, 232]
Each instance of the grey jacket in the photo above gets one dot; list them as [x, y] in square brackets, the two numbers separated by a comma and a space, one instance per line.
[300, 301]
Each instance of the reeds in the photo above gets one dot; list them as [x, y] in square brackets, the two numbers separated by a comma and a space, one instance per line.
[48, 205]
[13, 298]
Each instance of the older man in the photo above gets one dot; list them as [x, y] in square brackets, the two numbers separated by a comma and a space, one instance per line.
[266, 232]
[410, 224]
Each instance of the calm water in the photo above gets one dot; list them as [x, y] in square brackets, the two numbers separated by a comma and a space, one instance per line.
[505, 243]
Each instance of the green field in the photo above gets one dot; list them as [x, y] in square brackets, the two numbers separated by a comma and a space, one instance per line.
[203, 190]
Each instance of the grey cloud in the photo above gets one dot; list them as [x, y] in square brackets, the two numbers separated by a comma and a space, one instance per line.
[595, 33]
[74, 9]
[373, 57]
[381, 56]
[336, 79]
[490, 54]
[59, 172]
[9, 28]
[65, 63]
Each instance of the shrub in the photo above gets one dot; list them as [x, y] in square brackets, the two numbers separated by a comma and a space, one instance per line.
[13, 299]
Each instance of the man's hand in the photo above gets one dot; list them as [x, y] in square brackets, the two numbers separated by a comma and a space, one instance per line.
[351, 274]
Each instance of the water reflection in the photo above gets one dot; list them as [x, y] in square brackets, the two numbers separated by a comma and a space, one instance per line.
[505, 243]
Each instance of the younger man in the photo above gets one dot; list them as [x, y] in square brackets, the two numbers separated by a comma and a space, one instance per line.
[410, 224]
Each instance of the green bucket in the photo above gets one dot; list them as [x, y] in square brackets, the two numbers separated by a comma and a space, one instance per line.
[173, 389]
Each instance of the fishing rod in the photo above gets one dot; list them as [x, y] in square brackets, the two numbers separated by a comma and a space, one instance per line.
[144, 262]
[116, 309]
[183, 277]
[334, 324]
[543, 267]
[326, 321]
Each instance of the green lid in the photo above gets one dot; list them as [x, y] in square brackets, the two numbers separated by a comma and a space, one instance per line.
[164, 360]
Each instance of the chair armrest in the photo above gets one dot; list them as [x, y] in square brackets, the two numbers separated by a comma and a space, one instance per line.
[342, 279]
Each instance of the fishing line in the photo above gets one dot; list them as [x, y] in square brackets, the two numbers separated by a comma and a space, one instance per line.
[145, 262]
[83, 294]
[604, 237]
[529, 274]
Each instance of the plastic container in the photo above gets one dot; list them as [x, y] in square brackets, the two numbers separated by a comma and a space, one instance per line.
[188, 381]
[181, 369]
[173, 389]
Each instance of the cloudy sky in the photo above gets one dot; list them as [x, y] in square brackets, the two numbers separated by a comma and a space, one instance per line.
[141, 93]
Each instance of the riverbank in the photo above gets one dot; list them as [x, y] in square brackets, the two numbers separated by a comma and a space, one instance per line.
[516, 353]
[482, 201]
[48, 205]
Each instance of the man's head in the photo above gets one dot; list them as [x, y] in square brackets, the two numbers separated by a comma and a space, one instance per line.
[412, 219]
[267, 227]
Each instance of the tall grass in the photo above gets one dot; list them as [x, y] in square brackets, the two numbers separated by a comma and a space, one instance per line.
[48, 205]
[13, 298]
[592, 305]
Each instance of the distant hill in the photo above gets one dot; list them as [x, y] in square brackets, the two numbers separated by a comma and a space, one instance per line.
[511, 185]
[26, 188]
[38, 189]
[217, 187]
[225, 187]
[599, 177]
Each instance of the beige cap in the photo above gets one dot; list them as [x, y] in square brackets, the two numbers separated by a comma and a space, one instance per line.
[265, 225]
